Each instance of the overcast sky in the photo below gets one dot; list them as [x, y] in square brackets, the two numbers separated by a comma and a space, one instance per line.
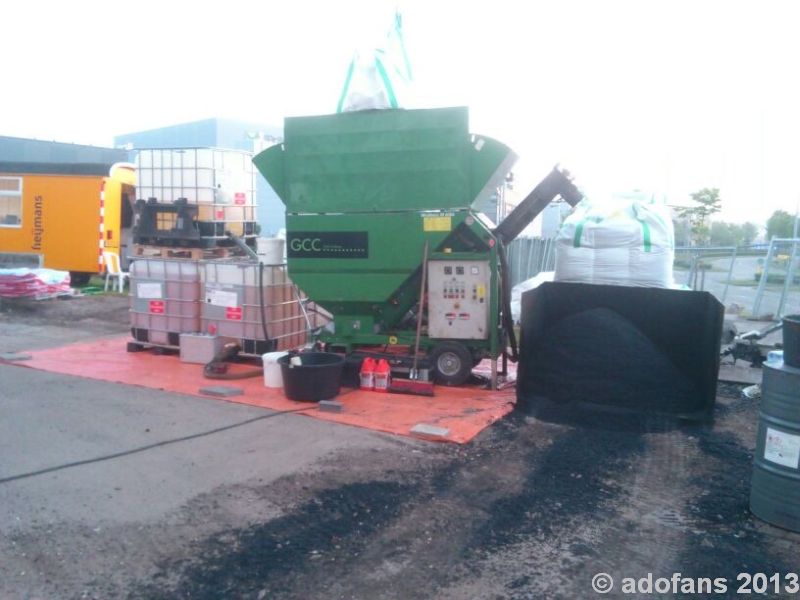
[667, 96]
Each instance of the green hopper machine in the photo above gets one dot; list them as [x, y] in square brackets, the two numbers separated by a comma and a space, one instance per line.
[383, 235]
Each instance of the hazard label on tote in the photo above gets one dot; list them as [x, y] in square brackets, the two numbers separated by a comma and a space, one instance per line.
[234, 313]
[157, 307]
[239, 198]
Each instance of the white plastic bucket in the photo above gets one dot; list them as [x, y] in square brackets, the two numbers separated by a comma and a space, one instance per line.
[272, 370]
[270, 250]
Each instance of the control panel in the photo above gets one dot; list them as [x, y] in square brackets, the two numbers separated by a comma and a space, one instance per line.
[458, 299]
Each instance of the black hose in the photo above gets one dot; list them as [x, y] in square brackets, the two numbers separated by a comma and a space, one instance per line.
[505, 299]
[216, 369]
[261, 302]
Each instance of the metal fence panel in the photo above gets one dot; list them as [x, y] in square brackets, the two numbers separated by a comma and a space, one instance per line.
[744, 276]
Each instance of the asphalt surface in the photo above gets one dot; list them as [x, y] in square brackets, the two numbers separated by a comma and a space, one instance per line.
[100, 455]
[114, 491]
[78, 449]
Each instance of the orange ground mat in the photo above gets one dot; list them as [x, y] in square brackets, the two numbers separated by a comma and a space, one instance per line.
[464, 411]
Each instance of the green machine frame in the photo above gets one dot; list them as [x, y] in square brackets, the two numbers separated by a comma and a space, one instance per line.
[365, 193]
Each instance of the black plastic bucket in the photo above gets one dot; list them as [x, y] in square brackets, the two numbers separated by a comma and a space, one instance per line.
[317, 377]
[791, 340]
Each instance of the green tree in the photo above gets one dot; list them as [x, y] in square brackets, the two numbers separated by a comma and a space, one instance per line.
[680, 229]
[780, 225]
[725, 234]
[707, 202]
[749, 233]
[732, 234]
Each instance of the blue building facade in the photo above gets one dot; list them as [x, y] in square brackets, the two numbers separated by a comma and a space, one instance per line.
[219, 133]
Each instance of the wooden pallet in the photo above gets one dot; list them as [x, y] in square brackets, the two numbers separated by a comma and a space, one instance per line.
[171, 252]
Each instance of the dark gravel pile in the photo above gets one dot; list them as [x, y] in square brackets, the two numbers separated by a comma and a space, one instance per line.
[333, 526]
[598, 357]
[531, 510]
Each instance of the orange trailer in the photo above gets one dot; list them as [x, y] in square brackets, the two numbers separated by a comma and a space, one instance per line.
[67, 214]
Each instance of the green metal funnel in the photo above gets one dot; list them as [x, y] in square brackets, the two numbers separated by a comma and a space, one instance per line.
[364, 191]
[384, 160]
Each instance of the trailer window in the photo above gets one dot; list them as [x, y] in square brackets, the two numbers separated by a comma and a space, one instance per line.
[10, 202]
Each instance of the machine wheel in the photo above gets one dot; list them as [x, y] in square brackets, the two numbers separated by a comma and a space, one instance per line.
[452, 363]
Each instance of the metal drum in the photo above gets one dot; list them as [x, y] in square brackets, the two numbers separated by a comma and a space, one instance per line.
[775, 486]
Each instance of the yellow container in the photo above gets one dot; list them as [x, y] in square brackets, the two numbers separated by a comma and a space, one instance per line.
[67, 219]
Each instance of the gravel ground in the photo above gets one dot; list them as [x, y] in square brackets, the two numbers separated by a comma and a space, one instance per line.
[534, 507]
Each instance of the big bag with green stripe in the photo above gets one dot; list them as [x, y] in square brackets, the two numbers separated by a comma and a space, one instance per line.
[617, 243]
[379, 77]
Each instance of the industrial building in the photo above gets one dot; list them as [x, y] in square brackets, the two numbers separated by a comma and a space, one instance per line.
[29, 152]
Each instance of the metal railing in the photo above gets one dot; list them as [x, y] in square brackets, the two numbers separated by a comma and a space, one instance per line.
[786, 247]
[761, 279]
[527, 257]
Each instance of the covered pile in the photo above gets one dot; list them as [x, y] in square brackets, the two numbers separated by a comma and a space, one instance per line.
[33, 283]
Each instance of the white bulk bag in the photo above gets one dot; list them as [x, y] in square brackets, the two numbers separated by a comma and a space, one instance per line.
[378, 78]
[616, 243]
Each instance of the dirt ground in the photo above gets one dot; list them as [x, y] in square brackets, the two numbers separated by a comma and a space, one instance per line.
[535, 507]
[91, 315]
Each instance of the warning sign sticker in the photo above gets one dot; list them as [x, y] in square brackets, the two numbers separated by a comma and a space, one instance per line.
[437, 220]
[233, 313]
[148, 290]
[221, 298]
[437, 223]
[782, 448]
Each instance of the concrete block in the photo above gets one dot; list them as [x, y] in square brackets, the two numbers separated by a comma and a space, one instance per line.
[223, 391]
[430, 432]
[330, 406]
[198, 348]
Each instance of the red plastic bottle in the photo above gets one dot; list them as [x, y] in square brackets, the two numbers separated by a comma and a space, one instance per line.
[383, 376]
[368, 374]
